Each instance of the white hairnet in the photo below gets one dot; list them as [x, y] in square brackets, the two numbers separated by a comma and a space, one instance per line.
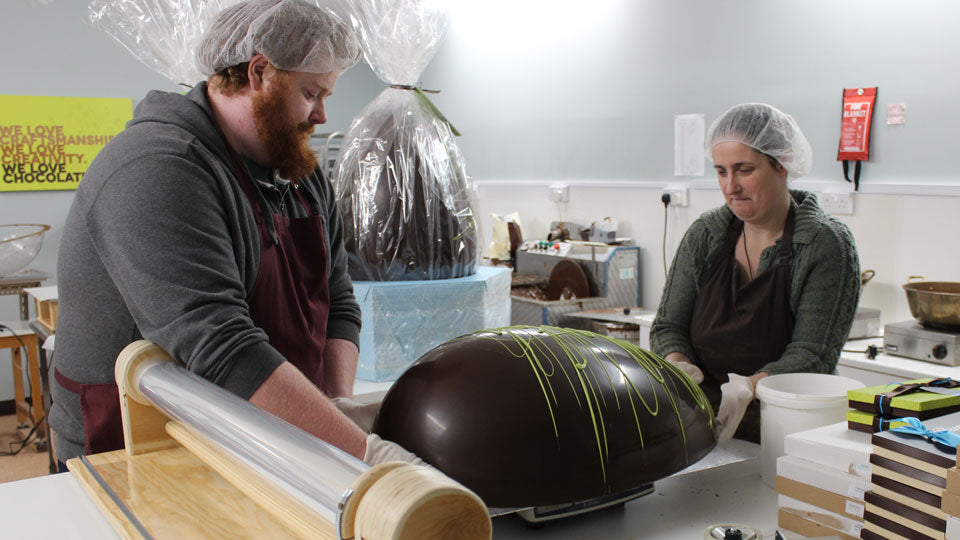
[294, 35]
[767, 130]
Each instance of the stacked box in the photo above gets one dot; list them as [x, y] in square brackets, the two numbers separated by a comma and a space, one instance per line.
[950, 503]
[822, 482]
[871, 423]
[953, 528]
[909, 476]
[873, 412]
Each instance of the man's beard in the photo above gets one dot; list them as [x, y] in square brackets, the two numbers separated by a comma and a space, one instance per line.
[286, 141]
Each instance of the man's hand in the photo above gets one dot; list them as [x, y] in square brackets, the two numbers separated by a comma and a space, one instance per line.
[339, 367]
[362, 414]
[381, 451]
[289, 395]
[735, 396]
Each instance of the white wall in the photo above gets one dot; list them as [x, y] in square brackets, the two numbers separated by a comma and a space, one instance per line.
[562, 89]
[589, 95]
[897, 235]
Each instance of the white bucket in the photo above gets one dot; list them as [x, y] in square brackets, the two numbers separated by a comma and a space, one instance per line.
[795, 402]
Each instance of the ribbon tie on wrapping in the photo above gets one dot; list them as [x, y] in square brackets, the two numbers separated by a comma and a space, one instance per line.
[882, 401]
[427, 103]
[916, 427]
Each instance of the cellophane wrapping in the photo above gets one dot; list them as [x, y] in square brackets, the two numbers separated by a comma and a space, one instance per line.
[401, 183]
[163, 34]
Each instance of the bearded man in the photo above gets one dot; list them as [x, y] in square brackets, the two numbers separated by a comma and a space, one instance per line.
[207, 227]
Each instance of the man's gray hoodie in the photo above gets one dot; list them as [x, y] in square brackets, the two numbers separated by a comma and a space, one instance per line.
[161, 243]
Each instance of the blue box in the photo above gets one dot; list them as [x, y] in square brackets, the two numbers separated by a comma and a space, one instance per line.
[402, 320]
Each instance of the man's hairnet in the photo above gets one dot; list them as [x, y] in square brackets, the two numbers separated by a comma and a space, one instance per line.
[293, 35]
[767, 130]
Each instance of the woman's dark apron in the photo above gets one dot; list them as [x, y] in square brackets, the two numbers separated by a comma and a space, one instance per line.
[290, 301]
[738, 325]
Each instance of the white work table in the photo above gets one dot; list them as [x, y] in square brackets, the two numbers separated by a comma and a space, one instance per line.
[56, 508]
[681, 507]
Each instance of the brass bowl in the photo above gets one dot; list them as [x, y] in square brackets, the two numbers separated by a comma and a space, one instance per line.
[934, 303]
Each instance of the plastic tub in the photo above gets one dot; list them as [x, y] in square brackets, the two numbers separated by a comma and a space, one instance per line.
[795, 402]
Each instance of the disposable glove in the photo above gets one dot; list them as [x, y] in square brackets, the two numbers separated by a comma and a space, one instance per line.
[381, 451]
[690, 369]
[362, 414]
[735, 396]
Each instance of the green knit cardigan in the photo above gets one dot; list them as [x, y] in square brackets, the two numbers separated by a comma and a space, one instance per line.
[824, 287]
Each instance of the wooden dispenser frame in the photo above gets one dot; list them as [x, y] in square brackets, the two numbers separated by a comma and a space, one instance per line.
[394, 501]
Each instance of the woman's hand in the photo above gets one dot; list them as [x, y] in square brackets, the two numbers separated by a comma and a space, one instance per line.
[755, 378]
[685, 365]
[735, 395]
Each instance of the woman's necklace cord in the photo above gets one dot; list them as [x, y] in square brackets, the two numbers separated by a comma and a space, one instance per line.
[747, 254]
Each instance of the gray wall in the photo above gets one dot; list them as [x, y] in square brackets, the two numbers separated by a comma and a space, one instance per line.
[592, 90]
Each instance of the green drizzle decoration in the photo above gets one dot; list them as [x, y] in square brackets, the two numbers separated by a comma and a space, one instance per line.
[584, 353]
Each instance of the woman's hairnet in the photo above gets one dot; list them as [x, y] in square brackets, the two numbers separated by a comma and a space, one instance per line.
[767, 130]
[293, 35]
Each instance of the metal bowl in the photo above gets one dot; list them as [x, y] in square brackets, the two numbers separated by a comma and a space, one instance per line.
[19, 245]
[934, 303]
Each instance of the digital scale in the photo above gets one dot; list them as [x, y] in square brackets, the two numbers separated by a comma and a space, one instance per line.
[538, 515]
[911, 339]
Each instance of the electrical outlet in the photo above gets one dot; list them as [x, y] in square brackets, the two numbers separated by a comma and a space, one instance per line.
[559, 193]
[678, 196]
[836, 203]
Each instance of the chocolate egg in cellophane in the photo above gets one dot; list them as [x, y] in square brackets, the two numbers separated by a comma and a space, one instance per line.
[533, 416]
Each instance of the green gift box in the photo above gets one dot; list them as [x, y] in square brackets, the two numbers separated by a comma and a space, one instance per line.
[919, 398]
[871, 423]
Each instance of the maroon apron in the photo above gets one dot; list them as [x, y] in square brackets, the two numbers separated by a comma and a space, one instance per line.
[739, 326]
[290, 301]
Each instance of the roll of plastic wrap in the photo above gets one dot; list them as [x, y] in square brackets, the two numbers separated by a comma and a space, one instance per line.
[316, 488]
[309, 469]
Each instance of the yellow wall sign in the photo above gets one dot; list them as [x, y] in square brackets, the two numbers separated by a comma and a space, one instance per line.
[47, 143]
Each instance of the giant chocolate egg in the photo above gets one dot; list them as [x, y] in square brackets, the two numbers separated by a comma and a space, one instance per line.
[404, 195]
[532, 416]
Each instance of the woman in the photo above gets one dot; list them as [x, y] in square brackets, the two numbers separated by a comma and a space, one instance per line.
[766, 284]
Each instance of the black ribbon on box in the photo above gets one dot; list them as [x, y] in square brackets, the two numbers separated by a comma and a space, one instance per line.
[882, 401]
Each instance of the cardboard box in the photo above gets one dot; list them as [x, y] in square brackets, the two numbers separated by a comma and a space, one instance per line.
[953, 528]
[889, 530]
[917, 499]
[905, 474]
[953, 480]
[832, 446]
[905, 516]
[808, 527]
[919, 452]
[950, 503]
[832, 502]
[825, 478]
